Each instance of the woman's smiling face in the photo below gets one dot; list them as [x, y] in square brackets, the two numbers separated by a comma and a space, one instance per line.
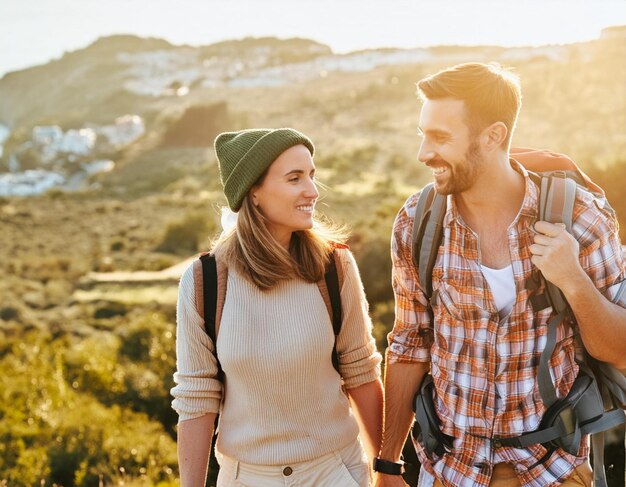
[287, 194]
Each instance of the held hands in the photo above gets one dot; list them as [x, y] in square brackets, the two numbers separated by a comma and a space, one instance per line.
[555, 253]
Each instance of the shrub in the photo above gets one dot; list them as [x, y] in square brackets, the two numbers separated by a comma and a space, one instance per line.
[117, 244]
[8, 313]
[375, 267]
[110, 310]
[186, 235]
[54, 430]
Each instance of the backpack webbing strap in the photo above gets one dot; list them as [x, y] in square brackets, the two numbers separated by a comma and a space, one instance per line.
[427, 234]
[556, 205]
[558, 195]
[597, 446]
[209, 291]
[331, 279]
[546, 386]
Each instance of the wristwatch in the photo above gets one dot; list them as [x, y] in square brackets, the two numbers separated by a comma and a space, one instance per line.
[385, 466]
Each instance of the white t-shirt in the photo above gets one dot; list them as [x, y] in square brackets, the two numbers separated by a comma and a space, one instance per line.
[502, 285]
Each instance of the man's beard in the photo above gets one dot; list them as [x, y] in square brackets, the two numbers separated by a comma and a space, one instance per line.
[464, 174]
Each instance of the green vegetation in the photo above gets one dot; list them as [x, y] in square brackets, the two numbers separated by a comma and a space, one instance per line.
[78, 412]
[188, 235]
[86, 366]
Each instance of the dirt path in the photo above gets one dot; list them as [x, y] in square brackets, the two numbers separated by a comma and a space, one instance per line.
[172, 273]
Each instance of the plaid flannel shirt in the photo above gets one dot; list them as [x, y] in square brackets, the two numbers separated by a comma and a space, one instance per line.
[485, 368]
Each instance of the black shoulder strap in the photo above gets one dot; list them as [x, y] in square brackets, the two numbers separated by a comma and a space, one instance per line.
[332, 283]
[209, 287]
[427, 234]
[209, 290]
[209, 280]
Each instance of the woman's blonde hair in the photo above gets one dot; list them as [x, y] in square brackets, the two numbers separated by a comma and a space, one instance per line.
[254, 253]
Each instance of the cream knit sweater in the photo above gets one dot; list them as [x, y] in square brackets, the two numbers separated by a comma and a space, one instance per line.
[282, 401]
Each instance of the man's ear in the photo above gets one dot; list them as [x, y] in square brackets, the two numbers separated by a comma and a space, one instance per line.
[494, 135]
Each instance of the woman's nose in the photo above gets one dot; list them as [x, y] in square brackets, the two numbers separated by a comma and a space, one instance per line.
[311, 189]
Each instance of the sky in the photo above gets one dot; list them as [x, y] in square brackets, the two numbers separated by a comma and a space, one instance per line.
[36, 31]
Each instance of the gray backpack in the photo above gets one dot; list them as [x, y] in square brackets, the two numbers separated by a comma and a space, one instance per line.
[597, 399]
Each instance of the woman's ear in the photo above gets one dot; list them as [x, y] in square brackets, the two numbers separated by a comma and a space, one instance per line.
[254, 198]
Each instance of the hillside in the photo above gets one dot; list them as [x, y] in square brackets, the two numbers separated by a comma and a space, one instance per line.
[105, 348]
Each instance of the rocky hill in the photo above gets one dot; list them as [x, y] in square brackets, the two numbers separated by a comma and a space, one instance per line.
[574, 101]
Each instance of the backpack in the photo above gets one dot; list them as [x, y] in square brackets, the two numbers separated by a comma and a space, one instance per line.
[211, 277]
[598, 396]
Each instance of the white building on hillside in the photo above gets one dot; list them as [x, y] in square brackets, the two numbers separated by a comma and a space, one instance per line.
[125, 130]
[46, 134]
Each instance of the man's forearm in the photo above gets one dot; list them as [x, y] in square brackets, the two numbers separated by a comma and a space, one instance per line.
[401, 383]
[602, 324]
[194, 447]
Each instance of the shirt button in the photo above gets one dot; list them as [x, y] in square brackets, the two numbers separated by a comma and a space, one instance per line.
[287, 471]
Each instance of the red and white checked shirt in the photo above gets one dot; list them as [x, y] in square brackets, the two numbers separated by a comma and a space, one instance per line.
[485, 368]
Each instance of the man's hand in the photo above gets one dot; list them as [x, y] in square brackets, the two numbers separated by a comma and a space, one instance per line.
[384, 480]
[555, 253]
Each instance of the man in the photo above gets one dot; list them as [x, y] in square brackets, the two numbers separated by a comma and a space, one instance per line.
[485, 349]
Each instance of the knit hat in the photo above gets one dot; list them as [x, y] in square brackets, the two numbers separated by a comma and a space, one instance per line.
[244, 156]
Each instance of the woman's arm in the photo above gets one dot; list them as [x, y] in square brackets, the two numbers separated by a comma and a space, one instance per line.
[367, 402]
[194, 446]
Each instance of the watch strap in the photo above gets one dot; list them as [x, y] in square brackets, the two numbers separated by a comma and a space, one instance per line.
[387, 467]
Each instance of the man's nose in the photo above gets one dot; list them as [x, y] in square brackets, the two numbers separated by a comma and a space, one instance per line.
[425, 153]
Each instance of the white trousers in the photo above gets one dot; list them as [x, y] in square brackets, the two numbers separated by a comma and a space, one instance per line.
[347, 467]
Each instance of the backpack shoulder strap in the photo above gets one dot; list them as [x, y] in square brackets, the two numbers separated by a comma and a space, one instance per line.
[209, 293]
[556, 205]
[330, 289]
[427, 234]
[214, 279]
[557, 195]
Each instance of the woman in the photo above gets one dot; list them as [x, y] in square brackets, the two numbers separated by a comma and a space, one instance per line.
[285, 418]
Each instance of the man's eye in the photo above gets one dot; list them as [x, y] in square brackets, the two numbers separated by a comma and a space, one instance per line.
[295, 179]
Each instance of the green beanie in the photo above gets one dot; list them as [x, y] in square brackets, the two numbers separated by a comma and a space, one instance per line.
[245, 155]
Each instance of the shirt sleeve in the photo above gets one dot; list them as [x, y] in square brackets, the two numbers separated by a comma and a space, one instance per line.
[197, 390]
[359, 360]
[411, 337]
[597, 231]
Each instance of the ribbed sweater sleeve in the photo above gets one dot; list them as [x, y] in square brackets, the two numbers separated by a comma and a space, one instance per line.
[359, 361]
[197, 390]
